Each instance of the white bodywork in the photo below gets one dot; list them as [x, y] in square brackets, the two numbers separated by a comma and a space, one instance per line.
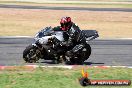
[58, 35]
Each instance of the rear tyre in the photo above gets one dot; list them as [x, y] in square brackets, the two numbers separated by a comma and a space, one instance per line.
[85, 54]
[31, 54]
[81, 57]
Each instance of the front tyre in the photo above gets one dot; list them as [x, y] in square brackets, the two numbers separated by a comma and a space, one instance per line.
[31, 54]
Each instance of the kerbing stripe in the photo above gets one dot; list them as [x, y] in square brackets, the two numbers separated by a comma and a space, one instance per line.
[62, 66]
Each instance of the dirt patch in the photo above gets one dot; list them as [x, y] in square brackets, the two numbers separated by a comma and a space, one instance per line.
[28, 22]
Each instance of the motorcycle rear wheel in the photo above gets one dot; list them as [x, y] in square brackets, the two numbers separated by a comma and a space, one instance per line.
[79, 60]
[85, 54]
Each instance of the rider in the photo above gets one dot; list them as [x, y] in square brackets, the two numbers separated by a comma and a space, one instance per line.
[71, 33]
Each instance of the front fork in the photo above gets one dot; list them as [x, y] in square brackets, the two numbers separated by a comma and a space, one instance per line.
[39, 50]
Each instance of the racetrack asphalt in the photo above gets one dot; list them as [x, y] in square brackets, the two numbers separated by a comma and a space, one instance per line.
[113, 52]
[104, 52]
[65, 8]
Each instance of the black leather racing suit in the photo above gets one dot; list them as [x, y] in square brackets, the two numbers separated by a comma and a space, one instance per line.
[73, 37]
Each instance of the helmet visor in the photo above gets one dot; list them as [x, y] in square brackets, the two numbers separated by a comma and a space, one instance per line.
[62, 25]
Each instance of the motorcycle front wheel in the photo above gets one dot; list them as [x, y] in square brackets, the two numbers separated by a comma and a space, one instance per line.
[31, 54]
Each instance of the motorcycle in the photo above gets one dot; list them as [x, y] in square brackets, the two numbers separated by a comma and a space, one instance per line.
[44, 43]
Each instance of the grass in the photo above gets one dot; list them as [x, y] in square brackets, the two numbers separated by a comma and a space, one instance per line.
[59, 78]
[25, 22]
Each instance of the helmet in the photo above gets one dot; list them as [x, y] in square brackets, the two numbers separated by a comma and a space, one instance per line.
[65, 23]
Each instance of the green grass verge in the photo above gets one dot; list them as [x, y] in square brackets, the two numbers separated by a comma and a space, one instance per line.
[59, 78]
